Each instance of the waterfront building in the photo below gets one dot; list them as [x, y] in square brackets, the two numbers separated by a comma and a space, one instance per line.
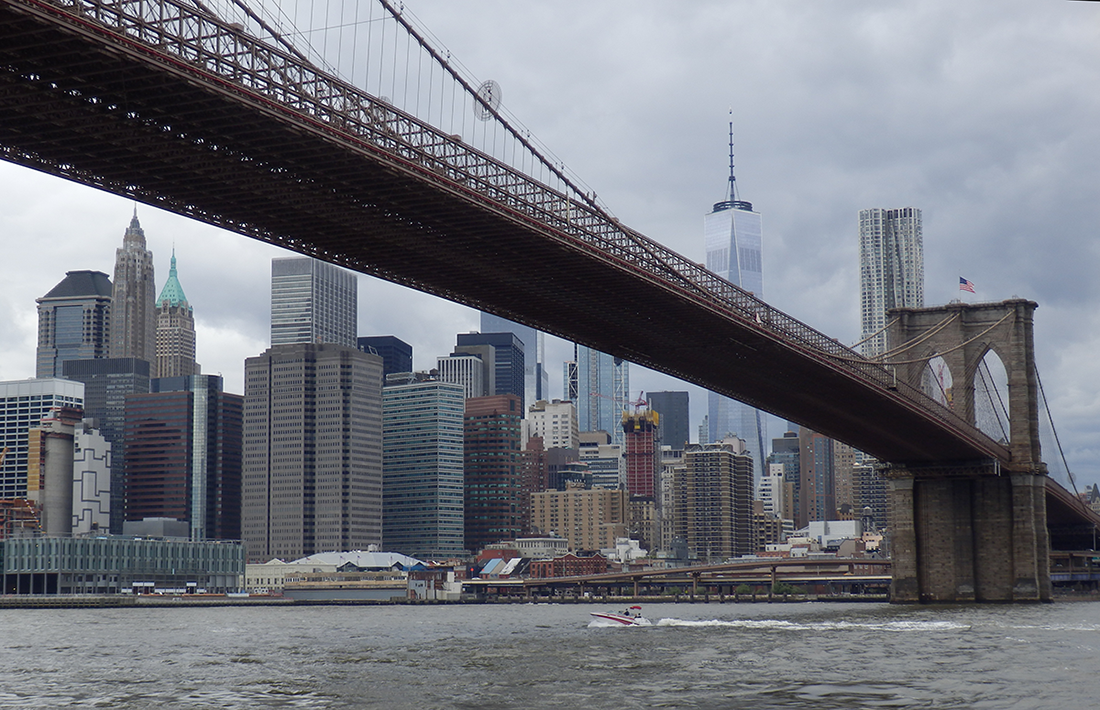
[493, 486]
[133, 318]
[312, 451]
[733, 237]
[183, 455]
[674, 410]
[891, 269]
[396, 354]
[111, 564]
[714, 500]
[422, 468]
[312, 301]
[107, 383]
[535, 376]
[23, 405]
[507, 362]
[74, 322]
[555, 422]
[590, 519]
[601, 391]
[175, 350]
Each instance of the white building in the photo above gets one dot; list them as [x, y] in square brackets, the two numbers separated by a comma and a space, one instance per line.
[466, 370]
[312, 301]
[556, 422]
[91, 481]
[23, 403]
[891, 269]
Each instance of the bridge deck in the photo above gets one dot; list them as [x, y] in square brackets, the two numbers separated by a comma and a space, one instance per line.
[81, 101]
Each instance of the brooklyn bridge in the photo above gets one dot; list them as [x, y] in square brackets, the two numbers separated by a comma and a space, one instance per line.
[226, 121]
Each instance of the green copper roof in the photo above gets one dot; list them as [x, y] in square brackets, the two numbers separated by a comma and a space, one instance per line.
[172, 291]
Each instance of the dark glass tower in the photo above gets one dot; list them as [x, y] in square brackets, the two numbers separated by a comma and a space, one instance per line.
[74, 322]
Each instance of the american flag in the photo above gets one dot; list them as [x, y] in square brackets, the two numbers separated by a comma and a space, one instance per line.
[965, 285]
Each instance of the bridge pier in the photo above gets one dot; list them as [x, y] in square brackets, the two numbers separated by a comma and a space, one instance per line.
[972, 538]
[971, 531]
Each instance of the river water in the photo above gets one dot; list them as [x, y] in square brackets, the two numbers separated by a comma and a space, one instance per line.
[806, 655]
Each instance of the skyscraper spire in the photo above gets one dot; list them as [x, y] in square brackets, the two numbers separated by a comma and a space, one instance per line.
[732, 195]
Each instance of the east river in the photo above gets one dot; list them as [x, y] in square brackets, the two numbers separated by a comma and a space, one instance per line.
[805, 655]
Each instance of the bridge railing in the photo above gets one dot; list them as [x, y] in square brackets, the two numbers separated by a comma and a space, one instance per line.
[200, 41]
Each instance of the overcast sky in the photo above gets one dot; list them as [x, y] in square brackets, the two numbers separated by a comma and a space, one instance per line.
[984, 115]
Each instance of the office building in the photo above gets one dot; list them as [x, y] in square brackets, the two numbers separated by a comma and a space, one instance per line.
[422, 474]
[175, 351]
[555, 422]
[470, 372]
[493, 487]
[23, 404]
[107, 383]
[891, 269]
[535, 376]
[133, 317]
[786, 455]
[183, 455]
[602, 391]
[824, 463]
[74, 322]
[312, 301]
[674, 411]
[605, 460]
[508, 361]
[396, 354]
[714, 500]
[312, 451]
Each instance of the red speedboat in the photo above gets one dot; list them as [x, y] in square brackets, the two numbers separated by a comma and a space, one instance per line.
[631, 617]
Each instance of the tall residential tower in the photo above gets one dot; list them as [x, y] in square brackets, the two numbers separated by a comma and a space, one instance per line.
[891, 269]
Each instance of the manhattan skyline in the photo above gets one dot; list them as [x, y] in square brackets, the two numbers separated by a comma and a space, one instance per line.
[997, 145]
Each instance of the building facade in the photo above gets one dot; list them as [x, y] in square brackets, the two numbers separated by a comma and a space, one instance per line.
[175, 349]
[675, 412]
[555, 422]
[23, 405]
[508, 361]
[494, 481]
[602, 391]
[74, 322]
[133, 318]
[422, 474]
[891, 269]
[535, 375]
[312, 301]
[183, 456]
[733, 239]
[713, 497]
[312, 451]
[590, 519]
[396, 354]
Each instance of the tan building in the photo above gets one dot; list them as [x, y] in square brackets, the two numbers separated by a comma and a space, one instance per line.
[590, 519]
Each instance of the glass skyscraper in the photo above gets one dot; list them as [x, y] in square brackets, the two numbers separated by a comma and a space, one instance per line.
[603, 389]
[74, 322]
[891, 269]
[733, 238]
[422, 468]
[536, 379]
[312, 302]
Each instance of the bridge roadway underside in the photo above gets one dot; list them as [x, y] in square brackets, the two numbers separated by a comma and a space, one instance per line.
[135, 122]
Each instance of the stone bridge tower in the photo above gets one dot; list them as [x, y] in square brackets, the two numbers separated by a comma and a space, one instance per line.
[971, 530]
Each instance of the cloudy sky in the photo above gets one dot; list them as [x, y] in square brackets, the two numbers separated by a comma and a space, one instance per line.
[984, 115]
